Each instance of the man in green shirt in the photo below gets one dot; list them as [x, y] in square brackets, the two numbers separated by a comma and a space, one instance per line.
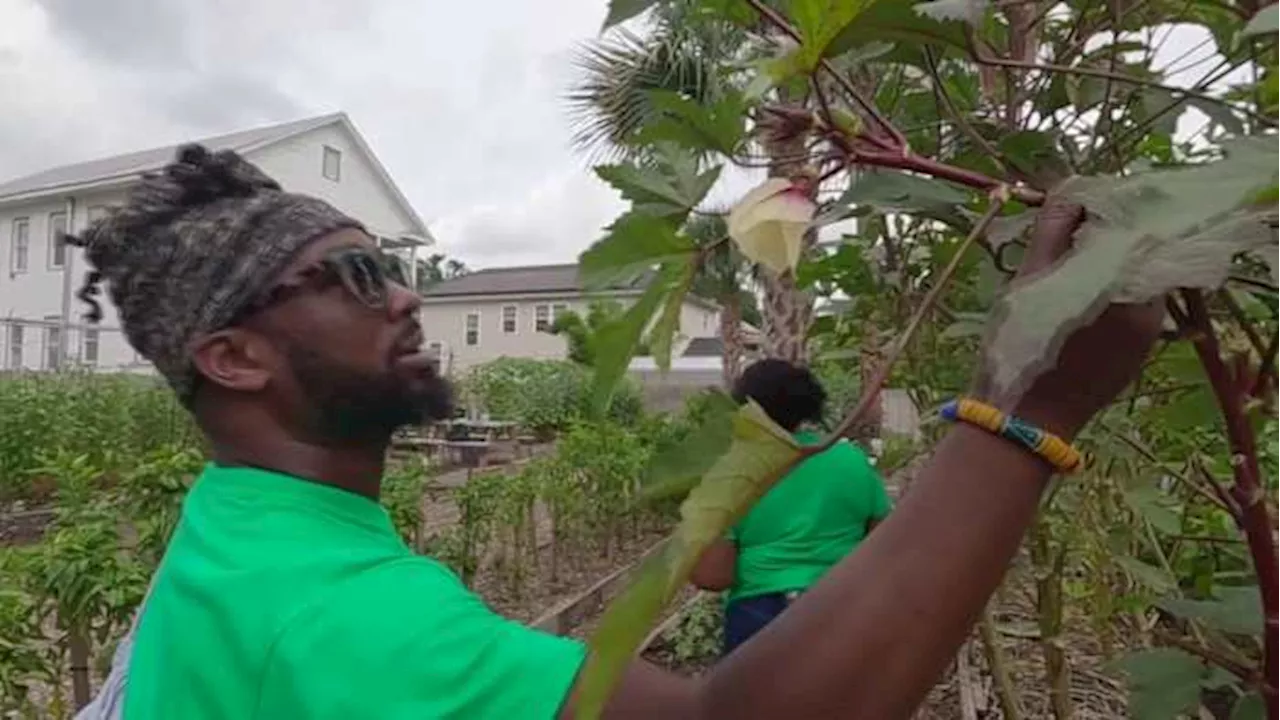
[285, 594]
[807, 522]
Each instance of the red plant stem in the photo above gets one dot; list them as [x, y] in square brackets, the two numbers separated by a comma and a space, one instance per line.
[928, 166]
[775, 19]
[1252, 515]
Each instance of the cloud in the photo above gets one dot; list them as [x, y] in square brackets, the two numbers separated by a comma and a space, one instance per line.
[461, 101]
[553, 222]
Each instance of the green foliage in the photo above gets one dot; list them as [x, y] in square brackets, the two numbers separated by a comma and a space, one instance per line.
[668, 185]
[111, 420]
[543, 395]
[635, 242]
[1163, 682]
[1139, 541]
[404, 486]
[819, 23]
[1265, 22]
[1154, 232]
[1236, 610]
[698, 638]
[758, 455]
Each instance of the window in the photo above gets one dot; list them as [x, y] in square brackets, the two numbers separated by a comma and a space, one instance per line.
[557, 310]
[20, 250]
[57, 241]
[542, 318]
[473, 329]
[89, 342]
[508, 319]
[96, 213]
[331, 166]
[52, 342]
[16, 341]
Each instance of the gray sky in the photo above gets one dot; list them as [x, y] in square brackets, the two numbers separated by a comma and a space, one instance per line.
[460, 100]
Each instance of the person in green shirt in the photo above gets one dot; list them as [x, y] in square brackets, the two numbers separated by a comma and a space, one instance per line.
[285, 592]
[807, 522]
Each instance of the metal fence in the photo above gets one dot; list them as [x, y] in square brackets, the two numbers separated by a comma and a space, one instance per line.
[51, 344]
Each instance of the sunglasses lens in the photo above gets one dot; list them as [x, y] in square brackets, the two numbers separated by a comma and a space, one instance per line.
[364, 276]
[396, 271]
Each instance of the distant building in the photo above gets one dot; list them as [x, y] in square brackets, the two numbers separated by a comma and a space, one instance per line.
[40, 318]
[508, 312]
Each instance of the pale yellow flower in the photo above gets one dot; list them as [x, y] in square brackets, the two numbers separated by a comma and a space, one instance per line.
[770, 222]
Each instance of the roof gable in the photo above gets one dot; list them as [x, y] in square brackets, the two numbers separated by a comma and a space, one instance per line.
[528, 280]
[136, 163]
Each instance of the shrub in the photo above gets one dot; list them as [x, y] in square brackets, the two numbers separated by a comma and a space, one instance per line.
[110, 420]
[545, 396]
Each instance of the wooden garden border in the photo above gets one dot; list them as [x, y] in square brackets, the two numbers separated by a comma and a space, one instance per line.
[569, 613]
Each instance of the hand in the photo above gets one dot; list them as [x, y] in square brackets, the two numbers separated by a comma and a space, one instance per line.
[1097, 361]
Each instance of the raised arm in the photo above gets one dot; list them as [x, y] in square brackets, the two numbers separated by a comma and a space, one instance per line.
[871, 638]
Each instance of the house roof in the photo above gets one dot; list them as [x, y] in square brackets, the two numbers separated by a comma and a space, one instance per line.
[704, 347]
[122, 168]
[527, 280]
[135, 163]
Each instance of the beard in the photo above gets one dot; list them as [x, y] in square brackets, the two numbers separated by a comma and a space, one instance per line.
[348, 406]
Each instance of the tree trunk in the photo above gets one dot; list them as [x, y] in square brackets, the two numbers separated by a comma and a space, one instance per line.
[731, 337]
[79, 651]
[787, 313]
[788, 310]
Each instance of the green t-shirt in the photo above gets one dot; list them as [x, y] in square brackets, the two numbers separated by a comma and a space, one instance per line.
[807, 522]
[282, 598]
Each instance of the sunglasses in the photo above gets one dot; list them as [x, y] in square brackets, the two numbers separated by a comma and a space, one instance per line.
[366, 275]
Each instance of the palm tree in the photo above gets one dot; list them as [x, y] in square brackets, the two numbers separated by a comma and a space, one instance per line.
[682, 52]
[723, 277]
[436, 268]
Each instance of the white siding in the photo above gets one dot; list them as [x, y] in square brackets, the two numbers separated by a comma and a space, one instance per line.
[30, 298]
[444, 321]
[298, 164]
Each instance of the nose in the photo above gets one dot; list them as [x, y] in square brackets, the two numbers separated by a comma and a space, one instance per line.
[401, 301]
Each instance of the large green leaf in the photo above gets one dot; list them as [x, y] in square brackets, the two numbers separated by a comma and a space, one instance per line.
[891, 191]
[1147, 234]
[896, 21]
[663, 332]
[1163, 683]
[634, 242]
[966, 11]
[616, 342]
[1153, 506]
[819, 22]
[695, 126]
[1265, 22]
[1251, 706]
[623, 10]
[759, 453]
[1153, 578]
[657, 189]
[1236, 610]
[675, 472]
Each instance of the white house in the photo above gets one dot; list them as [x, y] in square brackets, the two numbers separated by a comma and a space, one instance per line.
[40, 317]
[499, 312]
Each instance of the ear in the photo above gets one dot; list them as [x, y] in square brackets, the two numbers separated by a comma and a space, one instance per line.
[234, 359]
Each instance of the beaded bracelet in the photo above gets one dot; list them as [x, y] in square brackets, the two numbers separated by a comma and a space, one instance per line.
[1053, 449]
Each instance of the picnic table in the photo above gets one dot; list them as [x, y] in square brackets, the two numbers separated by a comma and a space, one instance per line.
[489, 430]
[463, 441]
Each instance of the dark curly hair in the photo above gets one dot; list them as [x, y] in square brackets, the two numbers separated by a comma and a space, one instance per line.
[190, 247]
[788, 393]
